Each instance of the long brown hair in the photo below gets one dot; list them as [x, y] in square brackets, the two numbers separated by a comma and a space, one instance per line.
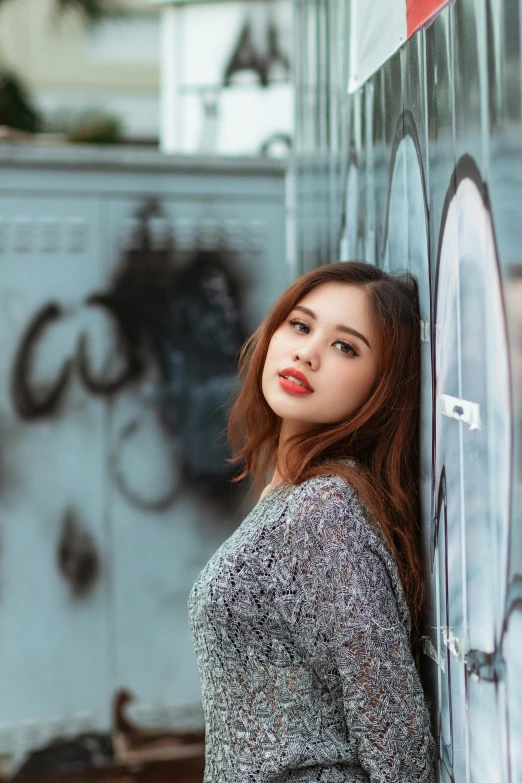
[381, 436]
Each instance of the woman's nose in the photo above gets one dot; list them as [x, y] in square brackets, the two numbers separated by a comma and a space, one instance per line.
[307, 357]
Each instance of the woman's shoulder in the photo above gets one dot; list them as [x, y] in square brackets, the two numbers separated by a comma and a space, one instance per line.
[330, 516]
[332, 502]
[327, 496]
[329, 487]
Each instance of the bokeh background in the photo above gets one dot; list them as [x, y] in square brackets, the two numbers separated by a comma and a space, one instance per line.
[167, 169]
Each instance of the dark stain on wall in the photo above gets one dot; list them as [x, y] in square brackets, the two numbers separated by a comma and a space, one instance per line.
[66, 756]
[77, 555]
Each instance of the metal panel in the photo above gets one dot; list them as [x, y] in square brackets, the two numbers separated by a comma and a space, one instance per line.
[468, 40]
[53, 471]
[104, 526]
[431, 176]
[145, 530]
[441, 121]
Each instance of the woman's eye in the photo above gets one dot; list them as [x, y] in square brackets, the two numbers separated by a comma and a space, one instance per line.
[347, 348]
[299, 323]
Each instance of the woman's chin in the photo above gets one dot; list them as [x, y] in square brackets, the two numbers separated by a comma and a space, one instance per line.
[291, 413]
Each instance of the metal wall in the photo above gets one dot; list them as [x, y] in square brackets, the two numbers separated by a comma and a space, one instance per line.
[127, 282]
[422, 169]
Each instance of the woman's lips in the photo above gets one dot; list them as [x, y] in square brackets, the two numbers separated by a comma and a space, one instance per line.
[291, 386]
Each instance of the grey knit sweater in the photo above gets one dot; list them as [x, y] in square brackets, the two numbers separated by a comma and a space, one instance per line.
[301, 632]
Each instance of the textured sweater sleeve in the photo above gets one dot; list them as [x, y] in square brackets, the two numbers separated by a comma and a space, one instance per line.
[343, 602]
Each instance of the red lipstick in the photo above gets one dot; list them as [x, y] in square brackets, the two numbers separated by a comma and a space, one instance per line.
[290, 385]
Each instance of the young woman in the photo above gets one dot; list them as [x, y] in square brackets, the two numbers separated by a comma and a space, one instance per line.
[304, 620]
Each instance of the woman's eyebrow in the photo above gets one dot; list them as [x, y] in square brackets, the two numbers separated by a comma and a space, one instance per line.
[340, 327]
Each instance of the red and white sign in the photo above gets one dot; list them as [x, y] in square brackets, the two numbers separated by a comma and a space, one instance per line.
[379, 27]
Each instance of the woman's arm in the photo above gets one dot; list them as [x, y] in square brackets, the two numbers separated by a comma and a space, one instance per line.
[348, 611]
[383, 698]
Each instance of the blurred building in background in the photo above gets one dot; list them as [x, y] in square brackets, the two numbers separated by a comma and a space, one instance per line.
[70, 66]
[226, 76]
[129, 281]
[224, 71]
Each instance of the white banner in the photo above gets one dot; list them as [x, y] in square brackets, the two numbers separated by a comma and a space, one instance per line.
[378, 28]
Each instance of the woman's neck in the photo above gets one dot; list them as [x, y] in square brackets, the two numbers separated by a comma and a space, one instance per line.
[276, 480]
[285, 433]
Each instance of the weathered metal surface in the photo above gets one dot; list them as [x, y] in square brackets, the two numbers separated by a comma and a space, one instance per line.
[140, 275]
[430, 165]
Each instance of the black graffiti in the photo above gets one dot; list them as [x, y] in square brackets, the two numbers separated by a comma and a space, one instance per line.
[128, 337]
[180, 316]
[118, 475]
[28, 402]
[247, 57]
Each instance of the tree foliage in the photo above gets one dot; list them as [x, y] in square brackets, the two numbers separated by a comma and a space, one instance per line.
[16, 108]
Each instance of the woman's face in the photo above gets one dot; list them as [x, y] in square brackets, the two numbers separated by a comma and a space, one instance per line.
[328, 337]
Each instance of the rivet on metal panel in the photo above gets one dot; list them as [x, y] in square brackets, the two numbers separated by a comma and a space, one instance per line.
[49, 234]
[23, 234]
[256, 235]
[76, 234]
